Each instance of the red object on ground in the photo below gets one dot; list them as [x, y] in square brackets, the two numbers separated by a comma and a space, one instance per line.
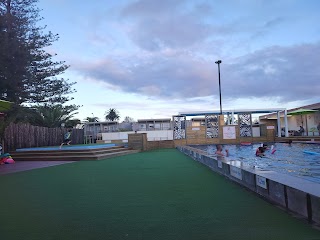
[6, 160]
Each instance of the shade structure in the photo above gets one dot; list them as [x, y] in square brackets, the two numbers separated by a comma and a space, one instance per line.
[5, 105]
[303, 111]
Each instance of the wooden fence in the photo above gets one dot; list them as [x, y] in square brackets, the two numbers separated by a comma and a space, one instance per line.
[24, 135]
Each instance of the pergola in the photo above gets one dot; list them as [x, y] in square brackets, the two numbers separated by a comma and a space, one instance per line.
[242, 111]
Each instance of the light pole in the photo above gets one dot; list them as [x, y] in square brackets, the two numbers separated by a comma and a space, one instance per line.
[218, 62]
[94, 127]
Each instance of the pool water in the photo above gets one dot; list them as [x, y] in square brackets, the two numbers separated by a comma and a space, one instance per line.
[67, 147]
[286, 159]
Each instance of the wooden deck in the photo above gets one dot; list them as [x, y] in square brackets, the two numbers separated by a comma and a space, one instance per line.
[72, 154]
[305, 139]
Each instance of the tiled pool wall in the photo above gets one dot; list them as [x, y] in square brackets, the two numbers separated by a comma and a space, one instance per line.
[297, 195]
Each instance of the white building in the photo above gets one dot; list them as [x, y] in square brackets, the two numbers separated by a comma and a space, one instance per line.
[308, 121]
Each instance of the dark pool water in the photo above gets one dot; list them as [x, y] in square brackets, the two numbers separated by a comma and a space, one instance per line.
[286, 159]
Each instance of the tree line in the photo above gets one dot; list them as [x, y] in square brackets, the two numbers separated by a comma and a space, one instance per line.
[30, 77]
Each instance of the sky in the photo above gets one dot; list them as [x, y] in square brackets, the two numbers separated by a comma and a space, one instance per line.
[154, 59]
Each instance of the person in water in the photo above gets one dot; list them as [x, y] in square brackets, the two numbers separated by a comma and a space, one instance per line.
[219, 151]
[260, 152]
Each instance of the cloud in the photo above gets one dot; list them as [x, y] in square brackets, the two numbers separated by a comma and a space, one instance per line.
[175, 76]
[285, 73]
[156, 107]
[156, 25]
[170, 23]
[273, 22]
[199, 26]
[147, 8]
[163, 53]
[175, 44]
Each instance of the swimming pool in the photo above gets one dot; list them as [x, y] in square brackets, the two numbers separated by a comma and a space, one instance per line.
[68, 147]
[286, 159]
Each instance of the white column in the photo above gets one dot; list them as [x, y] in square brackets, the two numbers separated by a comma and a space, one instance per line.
[232, 117]
[286, 123]
[278, 123]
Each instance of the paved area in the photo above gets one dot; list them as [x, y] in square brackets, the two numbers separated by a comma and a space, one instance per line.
[20, 166]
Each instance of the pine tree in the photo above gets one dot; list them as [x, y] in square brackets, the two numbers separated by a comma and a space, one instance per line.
[28, 74]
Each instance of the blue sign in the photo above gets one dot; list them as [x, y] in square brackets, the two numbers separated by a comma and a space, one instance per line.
[261, 182]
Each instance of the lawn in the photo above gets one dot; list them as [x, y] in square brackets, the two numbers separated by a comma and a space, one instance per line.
[150, 195]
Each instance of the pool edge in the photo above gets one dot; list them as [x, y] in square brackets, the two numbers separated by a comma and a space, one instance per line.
[279, 191]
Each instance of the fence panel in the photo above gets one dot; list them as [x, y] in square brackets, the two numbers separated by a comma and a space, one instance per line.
[24, 135]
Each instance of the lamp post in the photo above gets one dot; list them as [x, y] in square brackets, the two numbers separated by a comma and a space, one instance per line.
[94, 127]
[218, 62]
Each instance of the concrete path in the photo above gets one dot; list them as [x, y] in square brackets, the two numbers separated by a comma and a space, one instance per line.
[20, 166]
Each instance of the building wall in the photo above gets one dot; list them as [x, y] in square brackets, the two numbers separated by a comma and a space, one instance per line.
[194, 135]
[197, 135]
[156, 135]
[294, 122]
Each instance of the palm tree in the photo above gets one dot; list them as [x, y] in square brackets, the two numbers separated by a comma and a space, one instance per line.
[91, 119]
[112, 114]
[18, 114]
[128, 119]
[50, 115]
[71, 123]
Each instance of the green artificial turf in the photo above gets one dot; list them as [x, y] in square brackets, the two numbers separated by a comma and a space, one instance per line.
[151, 195]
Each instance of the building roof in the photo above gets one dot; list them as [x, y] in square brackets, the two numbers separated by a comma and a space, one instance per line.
[314, 106]
[155, 120]
[235, 111]
[98, 123]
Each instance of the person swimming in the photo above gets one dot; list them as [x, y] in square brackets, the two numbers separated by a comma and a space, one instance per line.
[260, 152]
[219, 151]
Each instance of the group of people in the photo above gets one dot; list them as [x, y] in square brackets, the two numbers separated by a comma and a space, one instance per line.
[260, 152]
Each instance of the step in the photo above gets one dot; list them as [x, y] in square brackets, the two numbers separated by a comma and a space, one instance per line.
[66, 152]
[74, 157]
[69, 150]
